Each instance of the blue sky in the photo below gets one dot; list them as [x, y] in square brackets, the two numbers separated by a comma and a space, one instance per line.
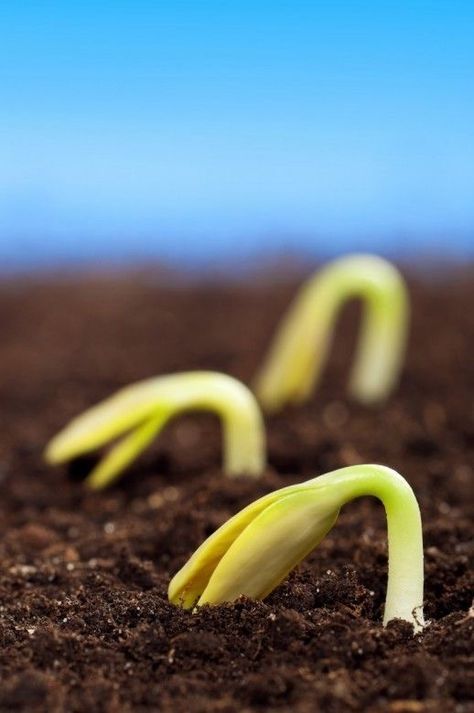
[194, 129]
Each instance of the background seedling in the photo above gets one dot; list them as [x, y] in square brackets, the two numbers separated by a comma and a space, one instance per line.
[300, 349]
[142, 410]
[257, 548]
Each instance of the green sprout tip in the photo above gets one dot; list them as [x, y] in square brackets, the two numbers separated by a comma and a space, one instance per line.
[137, 413]
[299, 351]
[257, 548]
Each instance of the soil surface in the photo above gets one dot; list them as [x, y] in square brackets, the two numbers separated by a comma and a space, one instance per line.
[85, 624]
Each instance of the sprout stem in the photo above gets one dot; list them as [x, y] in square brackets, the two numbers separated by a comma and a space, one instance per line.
[404, 598]
[300, 349]
[138, 413]
[254, 551]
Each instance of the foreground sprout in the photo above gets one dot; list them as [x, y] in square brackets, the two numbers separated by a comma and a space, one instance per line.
[257, 548]
[298, 353]
[142, 410]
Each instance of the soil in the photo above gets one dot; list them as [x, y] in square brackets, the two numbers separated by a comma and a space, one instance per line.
[85, 624]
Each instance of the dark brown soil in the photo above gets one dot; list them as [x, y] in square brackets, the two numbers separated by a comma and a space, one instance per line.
[85, 624]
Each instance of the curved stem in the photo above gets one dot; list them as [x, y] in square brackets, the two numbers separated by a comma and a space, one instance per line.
[300, 349]
[144, 408]
[254, 550]
[404, 599]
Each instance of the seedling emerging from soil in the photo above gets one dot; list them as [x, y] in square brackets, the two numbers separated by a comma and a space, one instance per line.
[300, 349]
[257, 548]
[141, 411]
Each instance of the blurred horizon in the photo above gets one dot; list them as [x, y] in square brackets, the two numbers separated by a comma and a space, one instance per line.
[189, 132]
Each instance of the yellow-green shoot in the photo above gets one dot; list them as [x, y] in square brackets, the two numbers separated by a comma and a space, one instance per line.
[257, 548]
[137, 413]
[300, 349]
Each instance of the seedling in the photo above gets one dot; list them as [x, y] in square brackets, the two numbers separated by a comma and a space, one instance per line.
[141, 411]
[300, 349]
[257, 548]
